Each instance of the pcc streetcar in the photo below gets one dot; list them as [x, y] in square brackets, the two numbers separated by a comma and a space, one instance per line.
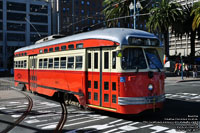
[114, 69]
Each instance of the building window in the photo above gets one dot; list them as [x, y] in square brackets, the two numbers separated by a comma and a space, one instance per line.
[82, 2]
[16, 16]
[15, 37]
[15, 27]
[16, 6]
[39, 8]
[40, 28]
[88, 3]
[39, 18]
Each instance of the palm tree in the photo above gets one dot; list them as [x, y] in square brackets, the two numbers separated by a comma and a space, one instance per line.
[114, 9]
[179, 28]
[196, 13]
[120, 8]
[162, 17]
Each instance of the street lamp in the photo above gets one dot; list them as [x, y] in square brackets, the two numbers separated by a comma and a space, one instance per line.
[134, 7]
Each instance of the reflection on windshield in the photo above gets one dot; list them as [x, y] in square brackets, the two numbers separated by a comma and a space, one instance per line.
[133, 58]
[153, 59]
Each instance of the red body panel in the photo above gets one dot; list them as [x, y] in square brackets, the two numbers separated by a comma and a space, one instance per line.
[135, 85]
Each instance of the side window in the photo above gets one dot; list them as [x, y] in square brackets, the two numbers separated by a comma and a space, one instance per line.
[45, 63]
[21, 64]
[45, 50]
[71, 46]
[50, 49]
[79, 62]
[56, 62]
[18, 64]
[89, 60]
[57, 48]
[79, 45]
[70, 63]
[40, 63]
[63, 47]
[95, 60]
[63, 62]
[24, 63]
[50, 63]
[106, 60]
[114, 60]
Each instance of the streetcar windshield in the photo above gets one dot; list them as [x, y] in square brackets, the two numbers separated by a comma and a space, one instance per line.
[133, 58]
[153, 58]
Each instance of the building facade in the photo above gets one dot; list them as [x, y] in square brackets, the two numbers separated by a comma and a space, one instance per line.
[79, 15]
[182, 46]
[22, 22]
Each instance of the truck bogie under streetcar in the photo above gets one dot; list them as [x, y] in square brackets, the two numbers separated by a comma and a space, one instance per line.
[116, 69]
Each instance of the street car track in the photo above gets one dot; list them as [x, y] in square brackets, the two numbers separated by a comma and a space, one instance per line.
[62, 119]
[23, 116]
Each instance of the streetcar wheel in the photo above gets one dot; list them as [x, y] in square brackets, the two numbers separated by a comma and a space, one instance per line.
[23, 87]
[66, 98]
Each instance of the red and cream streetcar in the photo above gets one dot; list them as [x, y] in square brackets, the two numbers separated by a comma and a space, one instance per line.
[114, 69]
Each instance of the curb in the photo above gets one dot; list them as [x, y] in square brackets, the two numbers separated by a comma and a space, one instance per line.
[187, 80]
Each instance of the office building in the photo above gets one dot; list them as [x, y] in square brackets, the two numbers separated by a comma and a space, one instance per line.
[22, 22]
[180, 46]
[79, 15]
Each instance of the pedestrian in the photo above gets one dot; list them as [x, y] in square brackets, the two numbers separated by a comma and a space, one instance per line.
[176, 69]
[187, 70]
[195, 71]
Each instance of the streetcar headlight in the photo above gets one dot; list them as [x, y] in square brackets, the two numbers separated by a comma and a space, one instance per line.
[150, 87]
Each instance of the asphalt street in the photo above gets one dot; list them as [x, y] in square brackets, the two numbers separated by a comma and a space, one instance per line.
[181, 113]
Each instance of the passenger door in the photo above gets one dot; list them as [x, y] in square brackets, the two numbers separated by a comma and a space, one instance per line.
[33, 73]
[93, 76]
[101, 87]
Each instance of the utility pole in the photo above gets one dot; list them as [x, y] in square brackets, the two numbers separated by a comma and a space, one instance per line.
[134, 14]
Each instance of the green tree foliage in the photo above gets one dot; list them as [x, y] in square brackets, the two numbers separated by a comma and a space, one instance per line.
[162, 17]
[196, 13]
[114, 9]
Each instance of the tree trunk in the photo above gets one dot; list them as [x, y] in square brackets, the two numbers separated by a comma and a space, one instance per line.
[166, 43]
[192, 43]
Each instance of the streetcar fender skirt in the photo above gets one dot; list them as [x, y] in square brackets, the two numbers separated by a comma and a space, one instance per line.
[45, 91]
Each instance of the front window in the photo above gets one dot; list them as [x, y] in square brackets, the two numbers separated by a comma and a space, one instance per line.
[133, 58]
[153, 58]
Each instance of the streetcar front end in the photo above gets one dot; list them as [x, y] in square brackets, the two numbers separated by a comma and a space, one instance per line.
[141, 78]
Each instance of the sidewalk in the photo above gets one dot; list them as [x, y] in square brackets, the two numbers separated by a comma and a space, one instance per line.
[179, 79]
[6, 92]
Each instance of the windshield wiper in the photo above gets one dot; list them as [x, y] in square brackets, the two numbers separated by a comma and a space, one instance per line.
[154, 64]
